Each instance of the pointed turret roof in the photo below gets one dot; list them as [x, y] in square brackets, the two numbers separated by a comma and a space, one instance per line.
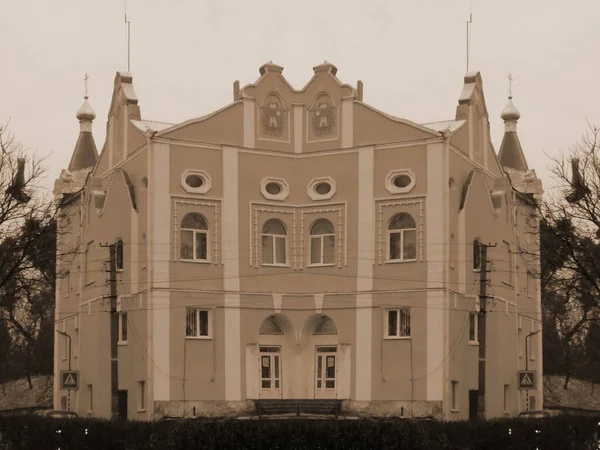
[511, 153]
[85, 153]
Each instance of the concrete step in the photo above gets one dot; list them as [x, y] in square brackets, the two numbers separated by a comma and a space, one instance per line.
[298, 406]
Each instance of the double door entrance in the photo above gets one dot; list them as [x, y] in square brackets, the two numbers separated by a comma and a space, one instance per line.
[325, 372]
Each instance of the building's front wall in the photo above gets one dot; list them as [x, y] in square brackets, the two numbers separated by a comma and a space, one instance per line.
[377, 374]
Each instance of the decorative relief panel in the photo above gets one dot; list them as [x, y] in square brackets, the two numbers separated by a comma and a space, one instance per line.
[299, 235]
[273, 120]
[322, 123]
[381, 237]
[214, 230]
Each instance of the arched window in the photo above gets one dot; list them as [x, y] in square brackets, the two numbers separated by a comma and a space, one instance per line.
[273, 243]
[403, 238]
[322, 243]
[194, 238]
[270, 326]
[476, 255]
[119, 248]
[326, 326]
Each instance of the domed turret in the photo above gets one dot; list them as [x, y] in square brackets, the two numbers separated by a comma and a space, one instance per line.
[510, 111]
[85, 112]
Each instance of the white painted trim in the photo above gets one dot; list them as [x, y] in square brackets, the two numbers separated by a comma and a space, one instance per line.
[347, 122]
[364, 275]
[392, 188]
[206, 181]
[249, 120]
[285, 188]
[436, 300]
[462, 252]
[277, 301]
[314, 195]
[298, 116]
[134, 251]
[231, 275]
[159, 301]
[319, 299]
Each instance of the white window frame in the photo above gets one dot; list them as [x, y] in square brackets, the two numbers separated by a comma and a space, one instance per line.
[197, 311]
[322, 238]
[401, 232]
[90, 398]
[142, 396]
[195, 232]
[402, 315]
[122, 314]
[282, 195]
[314, 195]
[454, 404]
[273, 238]
[393, 189]
[475, 315]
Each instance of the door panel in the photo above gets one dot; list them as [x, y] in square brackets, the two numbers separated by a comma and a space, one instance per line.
[326, 372]
[270, 372]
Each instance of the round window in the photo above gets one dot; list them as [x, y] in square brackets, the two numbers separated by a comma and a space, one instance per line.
[323, 188]
[273, 188]
[401, 181]
[194, 181]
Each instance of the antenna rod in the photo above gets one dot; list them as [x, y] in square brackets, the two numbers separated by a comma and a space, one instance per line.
[128, 40]
[468, 37]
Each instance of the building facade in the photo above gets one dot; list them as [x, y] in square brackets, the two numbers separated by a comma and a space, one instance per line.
[298, 244]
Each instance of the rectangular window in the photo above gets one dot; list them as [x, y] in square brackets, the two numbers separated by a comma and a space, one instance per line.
[473, 324]
[505, 397]
[398, 322]
[197, 323]
[90, 394]
[119, 254]
[142, 393]
[454, 396]
[273, 249]
[123, 328]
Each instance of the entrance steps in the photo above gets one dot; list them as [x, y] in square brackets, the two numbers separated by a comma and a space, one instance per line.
[324, 407]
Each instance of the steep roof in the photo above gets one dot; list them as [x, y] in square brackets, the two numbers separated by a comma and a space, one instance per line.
[85, 154]
[511, 153]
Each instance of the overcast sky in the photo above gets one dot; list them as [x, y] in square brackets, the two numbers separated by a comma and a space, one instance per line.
[410, 54]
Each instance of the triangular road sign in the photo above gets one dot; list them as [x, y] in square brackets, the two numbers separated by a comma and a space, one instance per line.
[525, 381]
[69, 380]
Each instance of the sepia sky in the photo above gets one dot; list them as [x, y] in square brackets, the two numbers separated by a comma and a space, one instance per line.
[410, 55]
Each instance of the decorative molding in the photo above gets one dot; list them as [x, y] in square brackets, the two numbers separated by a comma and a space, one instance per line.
[314, 195]
[285, 188]
[392, 188]
[216, 205]
[298, 211]
[206, 181]
[322, 119]
[277, 301]
[380, 204]
[319, 298]
[273, 119]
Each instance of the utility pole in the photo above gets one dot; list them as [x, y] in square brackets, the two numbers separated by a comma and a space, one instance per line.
[114, 333]
[482, 328]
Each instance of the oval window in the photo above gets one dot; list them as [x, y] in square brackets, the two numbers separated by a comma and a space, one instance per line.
[323, 188]
[273, 188]
[194, 181]
[401, 181]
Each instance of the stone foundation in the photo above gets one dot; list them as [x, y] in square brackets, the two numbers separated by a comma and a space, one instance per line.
[394, 408]
[206, 408]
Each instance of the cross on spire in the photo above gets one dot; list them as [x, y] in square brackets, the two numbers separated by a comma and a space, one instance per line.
[510, 80]
[85, 80]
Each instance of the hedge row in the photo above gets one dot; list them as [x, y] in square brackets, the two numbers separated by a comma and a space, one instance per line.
[67, 434]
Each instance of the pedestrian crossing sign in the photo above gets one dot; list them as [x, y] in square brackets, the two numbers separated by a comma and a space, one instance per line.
[69, 380]
[526, 379]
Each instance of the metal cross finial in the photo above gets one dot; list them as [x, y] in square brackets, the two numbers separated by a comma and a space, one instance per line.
[510, 80]
[85, 80]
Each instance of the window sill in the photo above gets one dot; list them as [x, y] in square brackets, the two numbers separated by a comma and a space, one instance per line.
[507, 413]
[397, 338]
[89, 413]
[276, 265]
[474, 343]
[476, 270]
[399, 261]
[454, 410]
[120, 270]
[199, 338]
[141, 410]
[122, 343]
[321, 265]
[195, 261]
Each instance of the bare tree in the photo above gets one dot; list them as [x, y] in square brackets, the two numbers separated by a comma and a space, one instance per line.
[27, 254]
[570, 253]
